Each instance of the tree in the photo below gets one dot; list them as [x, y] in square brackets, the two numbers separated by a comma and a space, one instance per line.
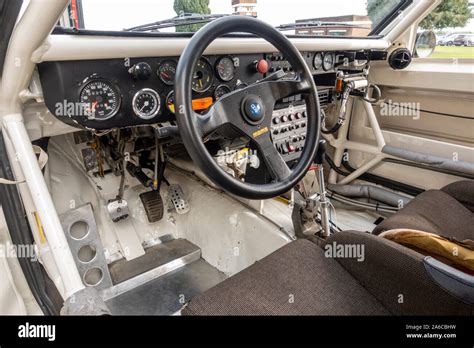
[191, 6]
[450, 13]
[377, 10]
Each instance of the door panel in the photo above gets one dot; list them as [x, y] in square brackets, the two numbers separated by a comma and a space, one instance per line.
[436, 116]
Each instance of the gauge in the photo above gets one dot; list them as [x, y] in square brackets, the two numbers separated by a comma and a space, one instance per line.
[225, 69]
[328, 61]
[318, 61]
[203, 75]
[167, 72]
[170, 101]
[146, 103]
[221, 91]
[101, 98]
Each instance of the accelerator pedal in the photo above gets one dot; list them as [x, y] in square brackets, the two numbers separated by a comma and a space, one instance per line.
[153, 204]
[176, 195]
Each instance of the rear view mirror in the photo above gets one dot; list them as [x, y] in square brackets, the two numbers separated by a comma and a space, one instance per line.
[425, 44]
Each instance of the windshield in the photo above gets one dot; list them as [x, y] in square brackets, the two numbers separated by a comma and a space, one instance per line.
[355, 18]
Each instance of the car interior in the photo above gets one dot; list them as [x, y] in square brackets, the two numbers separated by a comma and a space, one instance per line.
[240, 169]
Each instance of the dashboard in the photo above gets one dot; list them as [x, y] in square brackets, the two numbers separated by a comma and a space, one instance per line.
[114, 93]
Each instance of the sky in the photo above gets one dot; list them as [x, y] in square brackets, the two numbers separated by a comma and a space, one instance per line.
[119, 14]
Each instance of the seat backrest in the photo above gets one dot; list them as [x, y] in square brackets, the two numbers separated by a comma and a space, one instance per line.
[397, 277]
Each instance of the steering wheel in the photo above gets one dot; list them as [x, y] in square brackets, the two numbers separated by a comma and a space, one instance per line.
[248, 110]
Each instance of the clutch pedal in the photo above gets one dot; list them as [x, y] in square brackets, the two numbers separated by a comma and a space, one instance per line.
[118, 210]
[176, 195]
[153, 204]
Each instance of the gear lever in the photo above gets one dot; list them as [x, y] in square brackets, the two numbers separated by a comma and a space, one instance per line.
[323, 201]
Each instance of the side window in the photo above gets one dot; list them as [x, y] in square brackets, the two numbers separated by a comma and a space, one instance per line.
[454, 46]
[453, 26]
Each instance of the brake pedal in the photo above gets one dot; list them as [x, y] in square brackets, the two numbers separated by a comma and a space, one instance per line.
[153, 204]
[176, 195]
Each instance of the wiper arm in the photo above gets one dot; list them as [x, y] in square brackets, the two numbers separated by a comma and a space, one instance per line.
[318, 24]
[183, 19]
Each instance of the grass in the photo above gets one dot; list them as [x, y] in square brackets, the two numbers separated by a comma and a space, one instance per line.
[453, 52]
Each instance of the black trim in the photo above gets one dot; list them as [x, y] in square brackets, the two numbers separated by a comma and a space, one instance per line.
[20, 234]
[9, 11]
[391, 16]
[86, 32]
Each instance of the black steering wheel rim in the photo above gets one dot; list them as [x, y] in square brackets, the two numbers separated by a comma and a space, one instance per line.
[188, 121]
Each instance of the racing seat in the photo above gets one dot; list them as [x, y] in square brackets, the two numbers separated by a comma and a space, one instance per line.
[448, 212]
[301, 278]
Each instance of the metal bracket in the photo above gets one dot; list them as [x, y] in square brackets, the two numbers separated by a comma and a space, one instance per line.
[86, 247]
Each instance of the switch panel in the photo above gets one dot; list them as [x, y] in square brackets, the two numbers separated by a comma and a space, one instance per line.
[288, 129]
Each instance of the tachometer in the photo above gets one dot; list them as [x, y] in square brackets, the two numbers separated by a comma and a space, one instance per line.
[101, 99]
[167, 72]
[203, 76]
[146, 103]
[328, 61]
[225, 69]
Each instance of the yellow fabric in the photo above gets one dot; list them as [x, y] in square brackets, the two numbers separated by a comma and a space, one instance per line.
[458, 254]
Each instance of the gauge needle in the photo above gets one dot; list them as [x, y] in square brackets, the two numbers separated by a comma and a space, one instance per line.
[200, 83]
[94, 104]
[165, 75]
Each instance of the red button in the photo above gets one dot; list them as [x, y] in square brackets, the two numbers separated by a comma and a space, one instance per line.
[291, 148]
[262, 66]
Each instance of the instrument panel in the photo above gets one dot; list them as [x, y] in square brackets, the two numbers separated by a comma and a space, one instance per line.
[114, 93]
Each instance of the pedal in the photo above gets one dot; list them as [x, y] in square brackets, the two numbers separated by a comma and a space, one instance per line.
[153, 204]
[118, 210]
[176, 195]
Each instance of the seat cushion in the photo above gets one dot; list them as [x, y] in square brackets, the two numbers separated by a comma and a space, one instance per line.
[396, 277]
[463, 192]
[433, 211]
[295, 280]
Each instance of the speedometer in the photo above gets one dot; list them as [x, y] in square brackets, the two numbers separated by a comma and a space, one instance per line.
[203, 76]
[101, 99]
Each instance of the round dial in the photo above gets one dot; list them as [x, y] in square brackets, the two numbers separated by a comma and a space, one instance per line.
[318, 61]
[328, 61]
[170, 101]
[225, 69]
[167, 72]
[101, 99]
[221, 91]
[203, 75]
[146, 103]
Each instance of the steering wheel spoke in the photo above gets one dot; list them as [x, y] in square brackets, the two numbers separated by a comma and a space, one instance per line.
[210, 122]
[287, 88]
[274, 162]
